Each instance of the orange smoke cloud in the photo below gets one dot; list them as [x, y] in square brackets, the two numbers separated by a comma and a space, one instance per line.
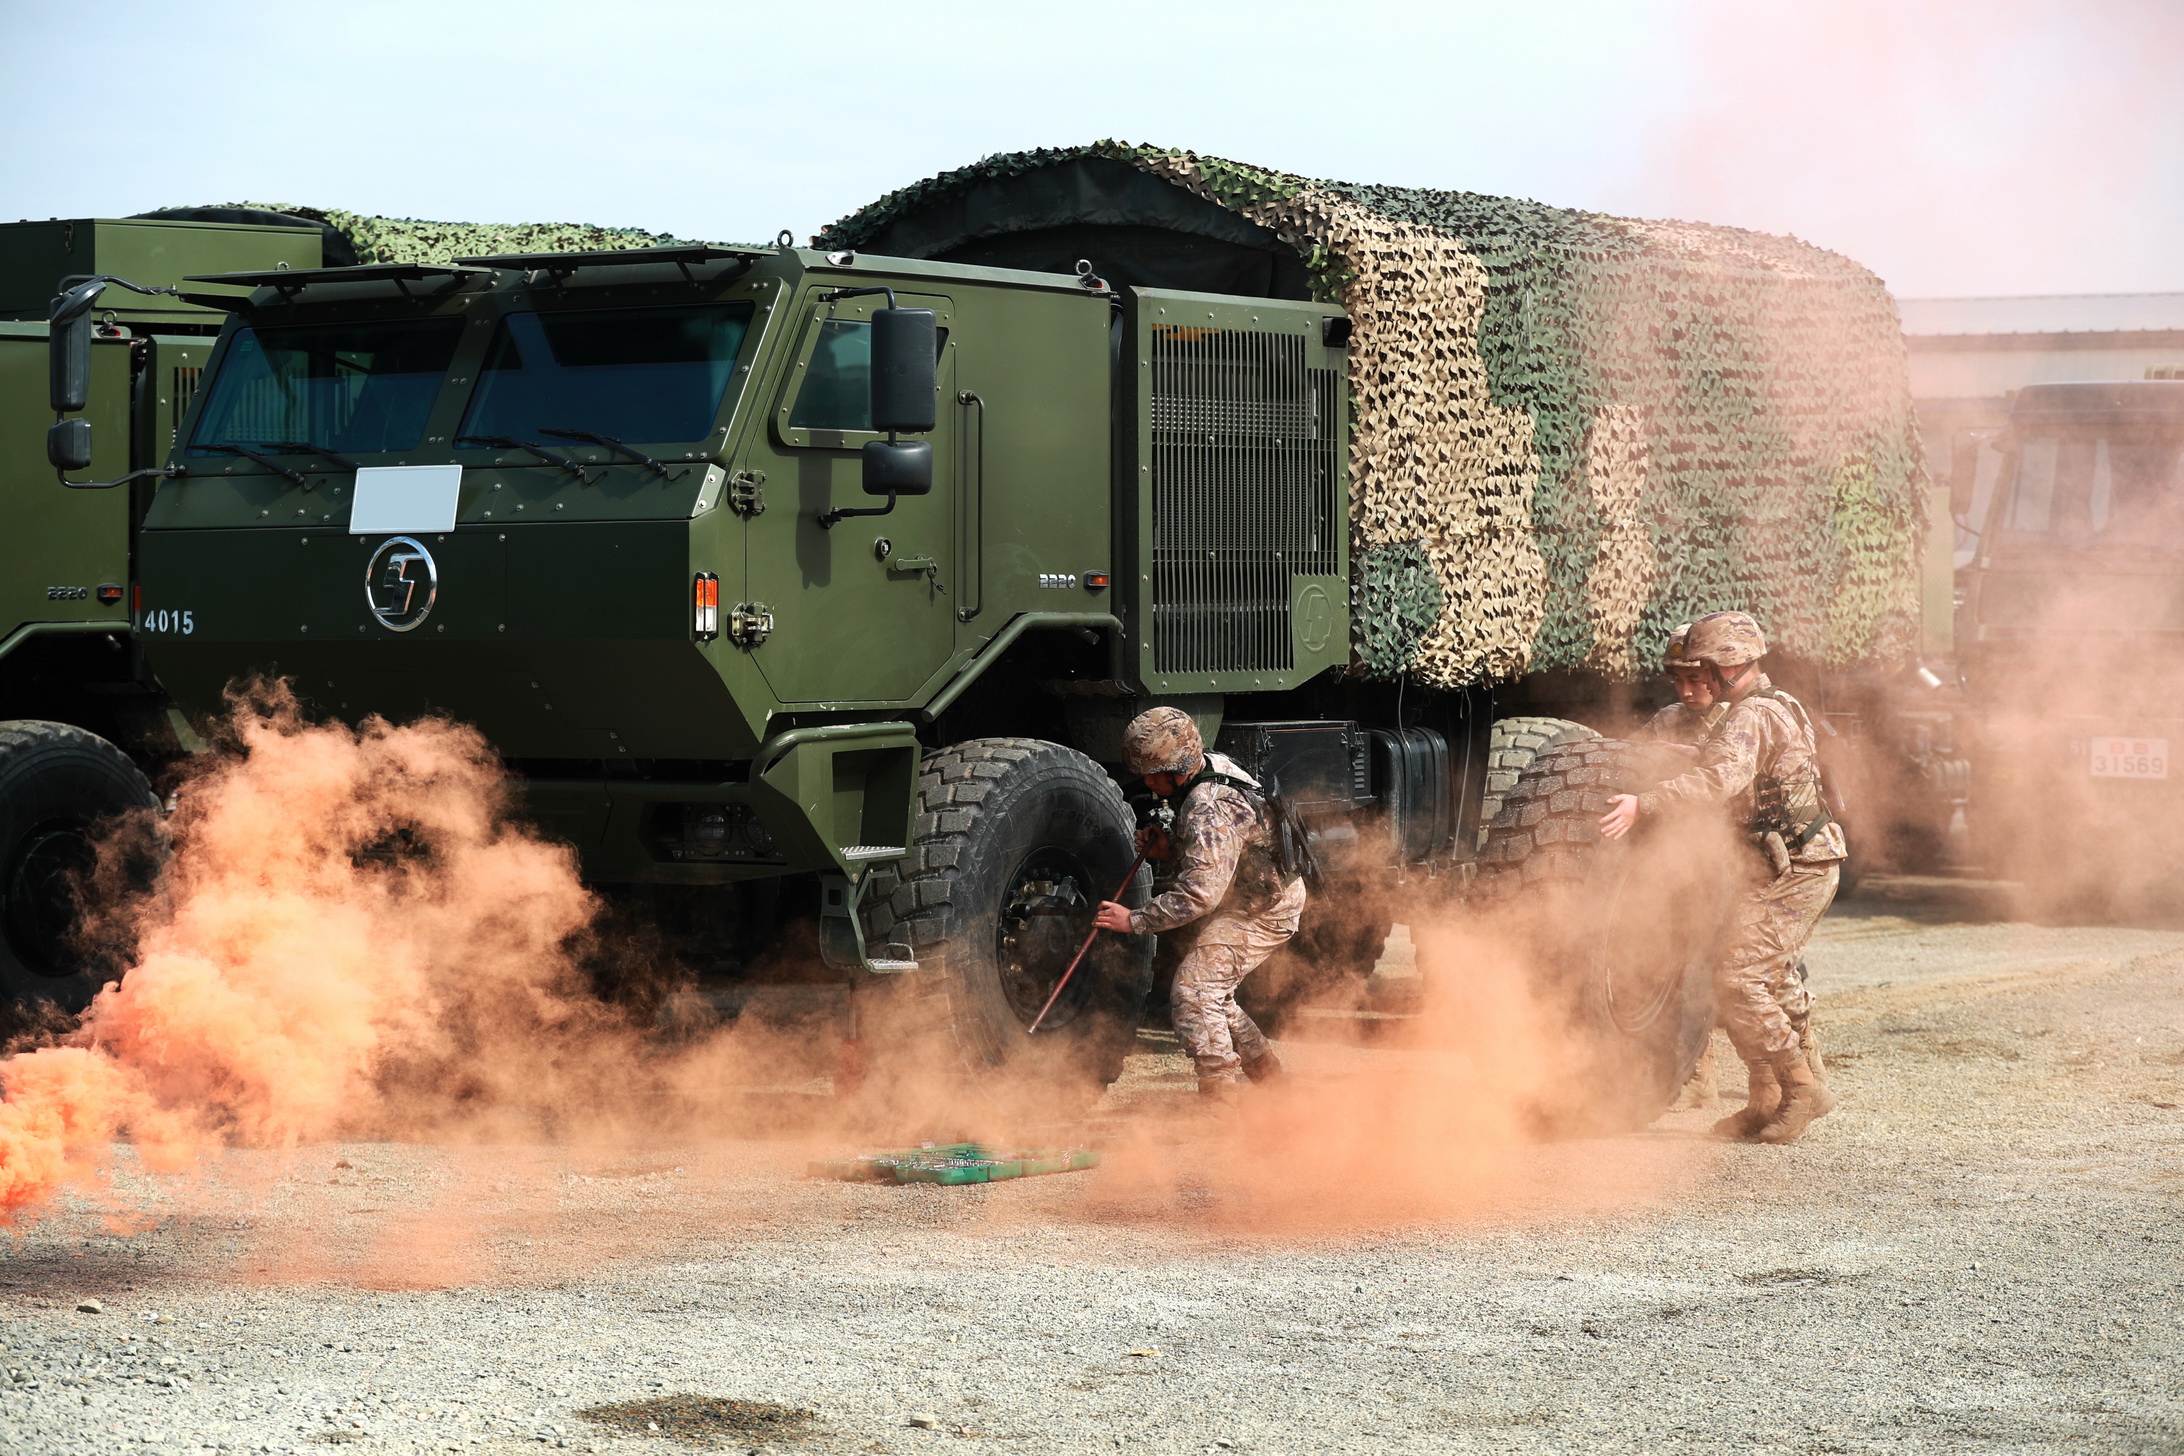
[351, 934]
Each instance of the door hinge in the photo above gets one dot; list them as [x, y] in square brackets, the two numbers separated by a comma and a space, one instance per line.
[747, 493]
[750, 623]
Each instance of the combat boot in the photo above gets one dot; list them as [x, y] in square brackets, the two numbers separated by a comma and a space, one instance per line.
[1700, 1093]
[1265, 1069]
[1761, 1101]
[1216, 1092]
[1804, 1099]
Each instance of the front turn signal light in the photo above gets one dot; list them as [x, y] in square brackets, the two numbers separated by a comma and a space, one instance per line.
[705, 605]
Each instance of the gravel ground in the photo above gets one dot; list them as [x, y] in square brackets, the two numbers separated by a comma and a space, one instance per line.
[1978, 1252]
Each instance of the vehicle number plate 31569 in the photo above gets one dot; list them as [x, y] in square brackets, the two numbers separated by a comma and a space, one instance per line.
[2129, 758]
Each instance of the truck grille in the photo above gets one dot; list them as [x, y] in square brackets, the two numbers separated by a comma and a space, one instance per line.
[1244, 494]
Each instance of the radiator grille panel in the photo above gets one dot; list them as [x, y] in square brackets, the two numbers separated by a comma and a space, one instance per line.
[1244, 494]
[185, 390]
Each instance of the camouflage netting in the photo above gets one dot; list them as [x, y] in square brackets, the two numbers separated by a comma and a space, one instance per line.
[1573, 431]
[407, 240]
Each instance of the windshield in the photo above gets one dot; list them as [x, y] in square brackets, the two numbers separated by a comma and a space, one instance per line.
[354, 387]
[650, 375]
[2082, 489]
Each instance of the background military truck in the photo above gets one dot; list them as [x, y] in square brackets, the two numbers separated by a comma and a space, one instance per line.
[2073, 609]
[81, 721]
[84, 727]
[814, 586]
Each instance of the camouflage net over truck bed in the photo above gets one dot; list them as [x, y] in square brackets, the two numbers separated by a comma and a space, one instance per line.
[1572, 431]
[408, 240]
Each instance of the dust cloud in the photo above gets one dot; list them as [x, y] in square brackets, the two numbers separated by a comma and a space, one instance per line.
[355, 943]
[2018, 146]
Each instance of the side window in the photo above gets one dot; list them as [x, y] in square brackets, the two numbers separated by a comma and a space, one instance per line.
[837, 388]
[836, 391]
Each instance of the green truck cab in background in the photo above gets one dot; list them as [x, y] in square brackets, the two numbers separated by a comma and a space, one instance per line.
[82, 721]
[2070, 639]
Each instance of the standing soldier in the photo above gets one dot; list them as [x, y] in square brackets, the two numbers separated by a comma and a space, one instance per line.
[1761, 761]
[1229, 882]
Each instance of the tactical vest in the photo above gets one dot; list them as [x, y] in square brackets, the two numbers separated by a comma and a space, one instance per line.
[1796, 809]
[1287, 841]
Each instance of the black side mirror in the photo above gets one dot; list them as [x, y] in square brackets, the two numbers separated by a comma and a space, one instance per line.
[898, 467]
[905, 373]
[68, 444]
[68, 346]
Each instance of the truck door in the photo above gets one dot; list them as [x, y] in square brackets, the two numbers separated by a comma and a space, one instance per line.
[863, 611]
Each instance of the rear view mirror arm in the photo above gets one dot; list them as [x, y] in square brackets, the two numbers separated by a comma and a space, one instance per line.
[843, 513]
[150, 472]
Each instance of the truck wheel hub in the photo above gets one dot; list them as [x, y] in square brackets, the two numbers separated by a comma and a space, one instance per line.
[1044, 917]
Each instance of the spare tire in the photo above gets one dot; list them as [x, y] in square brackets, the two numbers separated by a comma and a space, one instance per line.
[1622, 936]
[1511, 747]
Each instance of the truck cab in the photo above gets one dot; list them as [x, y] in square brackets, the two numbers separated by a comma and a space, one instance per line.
[2071, 634]
[726, 551]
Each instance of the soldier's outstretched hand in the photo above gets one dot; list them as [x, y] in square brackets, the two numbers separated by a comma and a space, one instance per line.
[1622, 814]
[1113, 917]
[1156, 842]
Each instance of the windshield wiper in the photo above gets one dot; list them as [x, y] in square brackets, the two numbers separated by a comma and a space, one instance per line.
[510, 442]
[612, 444]
[305, 447]
[266, 460]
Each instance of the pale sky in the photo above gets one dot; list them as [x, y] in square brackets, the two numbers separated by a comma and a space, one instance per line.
[1968, 147]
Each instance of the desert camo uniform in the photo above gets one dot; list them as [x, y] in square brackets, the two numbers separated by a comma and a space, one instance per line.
[1759, 758]
[1227, 881]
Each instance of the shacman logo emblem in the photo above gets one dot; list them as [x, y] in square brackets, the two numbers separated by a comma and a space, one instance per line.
[401, 583]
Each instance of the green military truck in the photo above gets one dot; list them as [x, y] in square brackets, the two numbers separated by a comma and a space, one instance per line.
[807, 590]
[2068, 643]
[81, 719]
[84, 728]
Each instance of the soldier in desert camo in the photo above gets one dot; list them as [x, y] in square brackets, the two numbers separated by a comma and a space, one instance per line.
[1228, 893]
[1759, 760]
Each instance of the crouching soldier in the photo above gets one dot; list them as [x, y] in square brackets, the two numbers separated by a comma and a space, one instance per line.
[1761, 762]
[1228, 885]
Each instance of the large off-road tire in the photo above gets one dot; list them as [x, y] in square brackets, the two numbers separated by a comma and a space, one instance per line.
[1622, 936]
[1017, 840]
[60, 787]
[1514, 743]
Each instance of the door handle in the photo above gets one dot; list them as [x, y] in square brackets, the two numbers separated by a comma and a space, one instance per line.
[912, 565]
[974, 496]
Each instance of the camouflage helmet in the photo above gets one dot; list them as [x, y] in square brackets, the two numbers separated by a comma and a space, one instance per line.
[1674, 654]
[1163, 740]
[1725, 639]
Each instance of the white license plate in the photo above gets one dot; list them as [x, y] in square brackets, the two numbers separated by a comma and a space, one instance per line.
[404, 500]
[2130, 758]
